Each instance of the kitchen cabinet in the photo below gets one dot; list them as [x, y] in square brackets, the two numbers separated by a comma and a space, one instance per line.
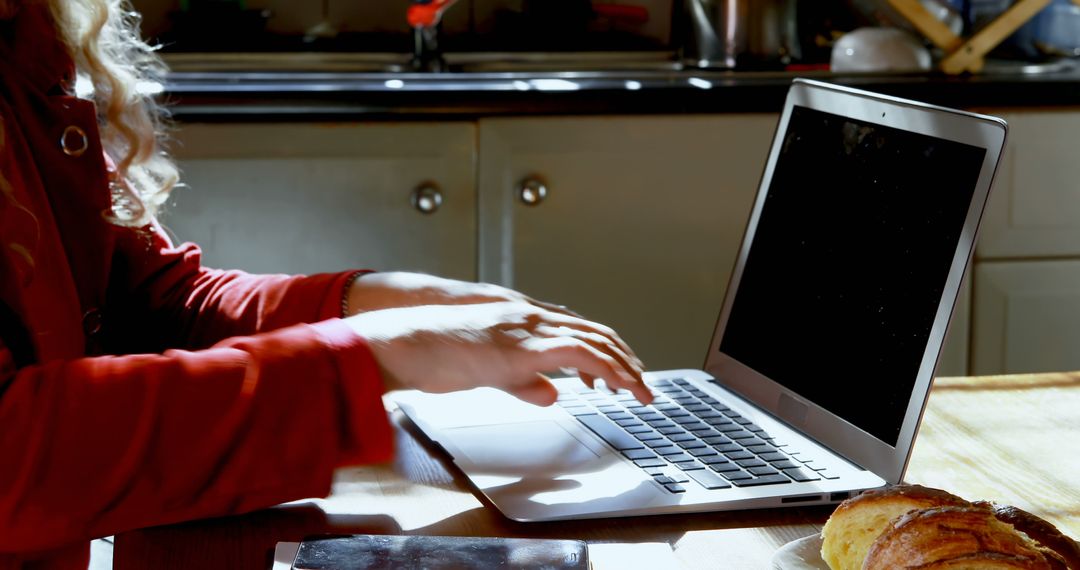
[1027, 316]
[304, 198]
[641, 223]
[1027, 280]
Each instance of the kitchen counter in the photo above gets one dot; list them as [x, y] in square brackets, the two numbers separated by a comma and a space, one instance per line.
[232, 95]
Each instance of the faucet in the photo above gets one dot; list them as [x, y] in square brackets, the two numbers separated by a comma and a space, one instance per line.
[425, 17]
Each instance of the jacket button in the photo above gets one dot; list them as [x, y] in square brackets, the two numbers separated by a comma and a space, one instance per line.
[92, 322]
[74, 141]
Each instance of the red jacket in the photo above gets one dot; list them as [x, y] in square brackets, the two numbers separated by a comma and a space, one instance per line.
[136, 387]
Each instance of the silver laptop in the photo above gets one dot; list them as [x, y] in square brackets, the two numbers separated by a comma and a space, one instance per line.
[823, 354]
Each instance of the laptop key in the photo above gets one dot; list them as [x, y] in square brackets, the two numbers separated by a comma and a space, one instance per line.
[766, 480]
[662, 424]
[737, 455]
[708, 479]
[702, 452]
[609, 432]
[680, 437]
[783, 464]
[668, 450]
[698, 408]
[736, 475]
[661, 442]
[675, 488]
[628, 423]
[670, 430]
[638, 454]
[773, 456]
[728, 448]
[713, 459]
[691, 444]
[747, 463]
[657, 462]
[716, 440]
[664, 480]
[689, 466]
[678, 458]
[641, 430]
[655, 471]
[802, 475]
[617, 416]
[726, 467]
[763, 471]
[742, 434]
[651, 417]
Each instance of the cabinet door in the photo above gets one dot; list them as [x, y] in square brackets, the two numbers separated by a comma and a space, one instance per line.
[641, 223]
[303, 198]
[1033, 208]
[1026, 317]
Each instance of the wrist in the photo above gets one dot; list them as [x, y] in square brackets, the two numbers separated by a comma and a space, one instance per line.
[348, 294]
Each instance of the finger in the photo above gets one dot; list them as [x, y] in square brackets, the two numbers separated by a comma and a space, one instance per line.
[606, 331]
[540, 391]
[561, 309]
[595, 340]
[556, 352]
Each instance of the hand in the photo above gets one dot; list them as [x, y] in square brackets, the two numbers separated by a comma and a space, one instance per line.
[506, 345]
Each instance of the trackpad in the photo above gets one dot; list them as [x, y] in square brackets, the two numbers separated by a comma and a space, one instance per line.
[532, 448]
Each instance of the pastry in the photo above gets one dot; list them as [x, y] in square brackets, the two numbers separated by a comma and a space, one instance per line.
[910, 526]
[859, 521]
[955, 537]
[1042, 532]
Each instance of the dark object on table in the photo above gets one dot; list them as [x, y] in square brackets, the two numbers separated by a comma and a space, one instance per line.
[369, 552]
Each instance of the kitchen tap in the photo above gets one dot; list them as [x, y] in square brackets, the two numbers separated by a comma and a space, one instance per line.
[425, 17]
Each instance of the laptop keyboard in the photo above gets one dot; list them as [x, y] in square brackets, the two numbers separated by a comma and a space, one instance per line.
[687, 435]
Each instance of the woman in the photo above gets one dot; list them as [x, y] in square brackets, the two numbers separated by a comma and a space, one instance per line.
[138, 388]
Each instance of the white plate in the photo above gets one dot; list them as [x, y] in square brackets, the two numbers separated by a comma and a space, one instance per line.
[801, 554]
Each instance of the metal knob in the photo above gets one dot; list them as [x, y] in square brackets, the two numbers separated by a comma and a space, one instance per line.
[427, 198]
[532, 191]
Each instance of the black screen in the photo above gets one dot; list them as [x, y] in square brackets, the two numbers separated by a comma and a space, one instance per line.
[848, 264]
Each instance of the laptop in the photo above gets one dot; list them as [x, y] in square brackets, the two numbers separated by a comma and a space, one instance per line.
[824, 351]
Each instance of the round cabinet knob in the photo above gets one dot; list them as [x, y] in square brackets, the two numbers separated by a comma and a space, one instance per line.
[427, 198]
[532, 191]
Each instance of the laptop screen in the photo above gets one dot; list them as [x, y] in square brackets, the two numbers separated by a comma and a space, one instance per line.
[848, 263]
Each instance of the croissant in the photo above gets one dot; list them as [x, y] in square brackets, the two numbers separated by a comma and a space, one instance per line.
[858, 521]
[955, 537]
[910, 526]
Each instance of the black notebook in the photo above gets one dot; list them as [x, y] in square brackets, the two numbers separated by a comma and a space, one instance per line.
[368, 552]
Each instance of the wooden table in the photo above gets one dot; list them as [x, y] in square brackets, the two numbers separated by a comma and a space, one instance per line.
[1010, 439]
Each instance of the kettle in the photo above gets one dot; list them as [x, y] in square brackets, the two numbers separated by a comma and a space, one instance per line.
[740, 33]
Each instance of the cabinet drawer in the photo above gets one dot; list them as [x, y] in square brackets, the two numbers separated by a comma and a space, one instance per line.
[303, 198]
[1026, 317]
[1034, 209]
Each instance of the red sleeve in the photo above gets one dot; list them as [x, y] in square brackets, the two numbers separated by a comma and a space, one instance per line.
[162, 297]
[96, 446]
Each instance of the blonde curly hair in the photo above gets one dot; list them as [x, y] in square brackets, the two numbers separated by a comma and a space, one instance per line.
[103, 39]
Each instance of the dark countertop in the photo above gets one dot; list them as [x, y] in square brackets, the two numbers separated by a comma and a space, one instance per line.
[258, 96]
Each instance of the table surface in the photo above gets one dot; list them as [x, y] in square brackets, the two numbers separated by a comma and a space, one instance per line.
[1010, 439]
